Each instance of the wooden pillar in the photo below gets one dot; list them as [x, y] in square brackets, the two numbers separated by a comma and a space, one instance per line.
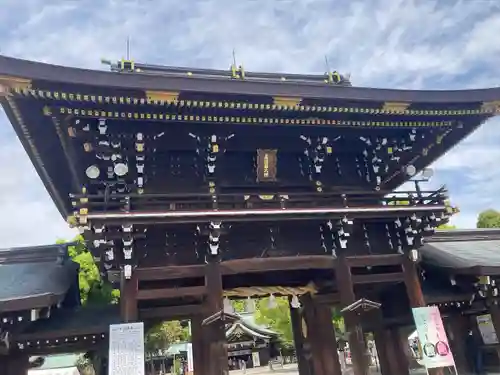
[198, 345]
[314, 337]
[330, 355]
[216, 359]
[397, 361]
[381, 338]
[412, 283]
[128, 298]
[298, 340]
[356, 341]
[459, 328]
[14, 364]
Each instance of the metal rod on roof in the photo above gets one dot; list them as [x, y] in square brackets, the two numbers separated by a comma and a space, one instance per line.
[128, 48]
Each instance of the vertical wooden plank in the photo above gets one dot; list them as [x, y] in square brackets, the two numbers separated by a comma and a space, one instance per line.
[356, 341]
[298, 340]
[128, 298]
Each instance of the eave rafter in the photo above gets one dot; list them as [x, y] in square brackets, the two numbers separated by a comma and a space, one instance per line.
[99, 113]
[275, 104]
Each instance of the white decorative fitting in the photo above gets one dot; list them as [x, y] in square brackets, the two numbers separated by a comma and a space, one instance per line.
[140, 181]
[127, 271]
[140, 168]
[110, 255]
[214, 249]
[127, 228]
[139, 136]
[213, 138]
[127, 253]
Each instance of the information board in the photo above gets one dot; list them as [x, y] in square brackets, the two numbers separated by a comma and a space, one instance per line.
[436, 350]
[126, 349]
[487, 330]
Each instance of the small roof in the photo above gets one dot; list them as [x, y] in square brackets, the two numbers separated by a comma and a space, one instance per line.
[64, 322]
[474, 252]
[35, 276]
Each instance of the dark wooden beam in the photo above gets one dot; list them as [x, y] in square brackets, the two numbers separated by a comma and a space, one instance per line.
[170, 272]
[375, 260]
[163, 293]
[391, 277]
[238, 266]
[170, 312]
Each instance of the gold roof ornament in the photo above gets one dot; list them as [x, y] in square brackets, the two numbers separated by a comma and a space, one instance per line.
[9, 84]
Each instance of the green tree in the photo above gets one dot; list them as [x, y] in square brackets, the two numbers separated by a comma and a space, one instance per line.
[276, 318]
[489, 219]
[164, 334]
[447, 226]
[93, 290]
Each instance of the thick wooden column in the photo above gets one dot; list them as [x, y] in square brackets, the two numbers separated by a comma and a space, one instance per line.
[459, 328]
[356, 341]
[380, 336]
[298, 340]
[314, 337]
[198, 345]
[128, 298]
[330, 355]
[216, 336]
[396, 355]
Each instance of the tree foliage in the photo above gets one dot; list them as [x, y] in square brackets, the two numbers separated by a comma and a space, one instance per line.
[489, 219]
[447, 226]
[276, 318]
[164, 334]
[93, 290]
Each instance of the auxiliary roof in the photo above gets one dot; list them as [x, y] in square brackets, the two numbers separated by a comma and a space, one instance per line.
[35, 277]
[474, 251]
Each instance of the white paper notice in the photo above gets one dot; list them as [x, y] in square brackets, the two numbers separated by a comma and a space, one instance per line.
[126, 349]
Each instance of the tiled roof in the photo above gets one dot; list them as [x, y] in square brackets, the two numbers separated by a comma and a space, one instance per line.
[35, 277]
[90, 320]
[463, 255]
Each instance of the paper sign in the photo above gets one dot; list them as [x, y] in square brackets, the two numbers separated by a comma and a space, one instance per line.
[126, 349]
[436, 350]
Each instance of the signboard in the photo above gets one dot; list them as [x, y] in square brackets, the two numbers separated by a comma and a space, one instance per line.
[267, 165]
[256, 359]
[436, 351]
[487, 330]
[126, 349]
[190, 357]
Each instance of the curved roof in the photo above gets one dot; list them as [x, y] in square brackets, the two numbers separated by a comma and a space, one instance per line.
[41, 99]
[41, 71]
[470, 251]
[35, 277]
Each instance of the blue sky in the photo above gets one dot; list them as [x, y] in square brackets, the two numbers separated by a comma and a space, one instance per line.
[418, 44]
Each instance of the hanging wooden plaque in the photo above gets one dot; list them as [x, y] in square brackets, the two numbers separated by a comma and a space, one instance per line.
[267, 165]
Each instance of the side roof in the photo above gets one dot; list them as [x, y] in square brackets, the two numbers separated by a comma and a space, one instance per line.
[469, 251]
[35, 277]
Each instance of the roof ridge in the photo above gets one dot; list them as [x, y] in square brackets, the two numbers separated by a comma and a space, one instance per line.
[34, 254]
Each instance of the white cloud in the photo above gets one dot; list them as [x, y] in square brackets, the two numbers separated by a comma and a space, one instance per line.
[385, 43]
